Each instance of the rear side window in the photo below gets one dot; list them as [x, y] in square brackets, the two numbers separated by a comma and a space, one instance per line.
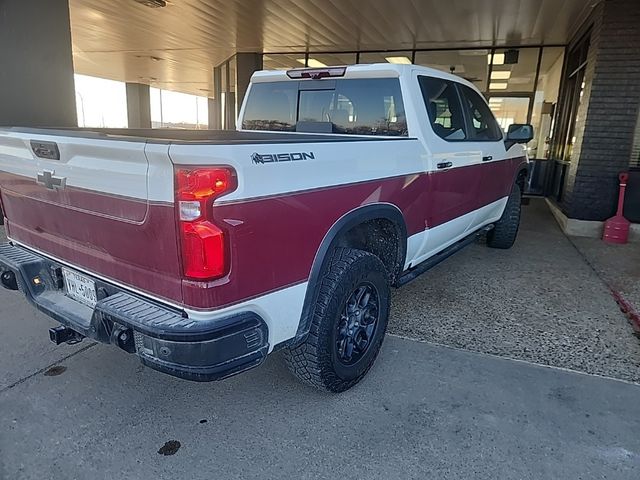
[483, 122]
[443, 108]
[348, 106]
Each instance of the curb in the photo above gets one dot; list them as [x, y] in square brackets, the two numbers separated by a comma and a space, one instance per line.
[628, 309]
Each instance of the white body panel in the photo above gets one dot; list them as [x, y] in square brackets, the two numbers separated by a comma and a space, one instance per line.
[103, 165]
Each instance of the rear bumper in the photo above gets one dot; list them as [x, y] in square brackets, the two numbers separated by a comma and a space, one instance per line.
[163, 337]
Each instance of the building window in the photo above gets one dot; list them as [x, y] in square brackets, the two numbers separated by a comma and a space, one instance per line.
[319, 60]
[171, 109]
[521, 84]
[545, 100]
[513, 70]
[399, 57]
[472, 65]
[570, 99]
[283, 61]
[509, 110]
[101, 103]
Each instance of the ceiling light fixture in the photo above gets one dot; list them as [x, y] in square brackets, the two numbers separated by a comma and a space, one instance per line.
[498, 86]
[312, 62]
[500, 75]
[399, 60]
[498, 59]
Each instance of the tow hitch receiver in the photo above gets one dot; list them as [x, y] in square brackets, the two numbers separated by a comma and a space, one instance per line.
[62, 334]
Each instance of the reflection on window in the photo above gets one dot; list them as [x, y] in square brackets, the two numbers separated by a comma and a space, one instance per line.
[271, 106]
[572, 89]
[483, 121]
[171, 109]
[443, 108]
[545, 100]
[357, 107]
[100, 103]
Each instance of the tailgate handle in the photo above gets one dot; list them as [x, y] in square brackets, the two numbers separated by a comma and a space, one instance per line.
[48, 150]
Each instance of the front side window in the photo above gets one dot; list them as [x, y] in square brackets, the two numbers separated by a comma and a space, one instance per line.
[483, 122]
[443, 108]
[346, 106]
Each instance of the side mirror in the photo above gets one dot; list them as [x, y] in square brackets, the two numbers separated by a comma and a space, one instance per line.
[519, 133]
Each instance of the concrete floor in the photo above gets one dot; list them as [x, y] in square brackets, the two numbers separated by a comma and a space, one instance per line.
[424, 411]
[539, 301]
[618, 265]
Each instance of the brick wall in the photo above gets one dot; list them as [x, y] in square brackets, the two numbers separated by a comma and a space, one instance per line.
[608, 113]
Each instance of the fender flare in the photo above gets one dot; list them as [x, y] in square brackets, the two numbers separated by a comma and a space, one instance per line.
[523, 166]
[353, 218]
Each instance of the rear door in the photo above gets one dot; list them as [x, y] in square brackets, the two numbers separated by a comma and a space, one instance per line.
[83, 198]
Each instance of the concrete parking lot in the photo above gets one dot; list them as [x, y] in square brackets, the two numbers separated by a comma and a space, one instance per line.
[439, 403]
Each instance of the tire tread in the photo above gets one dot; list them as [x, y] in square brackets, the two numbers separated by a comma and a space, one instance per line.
[310, 361]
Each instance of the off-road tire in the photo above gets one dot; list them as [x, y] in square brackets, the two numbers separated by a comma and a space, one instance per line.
[505, 230]
[316, 361]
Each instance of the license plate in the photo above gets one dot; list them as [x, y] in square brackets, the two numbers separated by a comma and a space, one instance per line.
[79, 287]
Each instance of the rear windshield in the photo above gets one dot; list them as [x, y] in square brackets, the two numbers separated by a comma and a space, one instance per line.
[357, 106]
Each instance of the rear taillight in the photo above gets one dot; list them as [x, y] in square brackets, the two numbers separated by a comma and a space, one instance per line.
[204, 249]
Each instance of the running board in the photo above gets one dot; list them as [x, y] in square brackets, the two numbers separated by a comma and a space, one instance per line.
[431, 262]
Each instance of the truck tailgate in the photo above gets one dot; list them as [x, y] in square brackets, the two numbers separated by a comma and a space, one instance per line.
[87, 202]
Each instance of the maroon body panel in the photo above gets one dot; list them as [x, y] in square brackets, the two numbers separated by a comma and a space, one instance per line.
[95, 233]
[273, 240]
[278, 238]
[86, 201]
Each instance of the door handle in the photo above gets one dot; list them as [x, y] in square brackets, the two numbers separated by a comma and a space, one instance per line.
[444, 165]
[488, 158]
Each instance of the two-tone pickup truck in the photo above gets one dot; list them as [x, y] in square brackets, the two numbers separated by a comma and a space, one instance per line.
[202, 252]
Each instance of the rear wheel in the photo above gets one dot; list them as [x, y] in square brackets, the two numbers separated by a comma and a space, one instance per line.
[349, 322]
[504, 233]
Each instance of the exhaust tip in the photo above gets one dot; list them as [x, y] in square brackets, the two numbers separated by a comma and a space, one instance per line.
[8, 280]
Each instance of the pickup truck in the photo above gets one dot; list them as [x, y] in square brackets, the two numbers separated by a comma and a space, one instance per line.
[201, 252]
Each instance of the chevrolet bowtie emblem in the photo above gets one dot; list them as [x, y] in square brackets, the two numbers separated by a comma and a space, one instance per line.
[49, 180]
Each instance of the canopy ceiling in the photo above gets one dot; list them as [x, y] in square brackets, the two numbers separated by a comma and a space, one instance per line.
[177, 46]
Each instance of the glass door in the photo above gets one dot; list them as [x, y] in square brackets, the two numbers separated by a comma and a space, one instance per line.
[509, 110]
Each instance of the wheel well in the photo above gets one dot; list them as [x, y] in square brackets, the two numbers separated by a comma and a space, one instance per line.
[378, 229]
[381, 237]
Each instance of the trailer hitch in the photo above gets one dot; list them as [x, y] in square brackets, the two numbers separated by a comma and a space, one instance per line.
[63, 334]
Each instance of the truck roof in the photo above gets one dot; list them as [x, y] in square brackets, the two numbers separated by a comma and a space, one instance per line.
[363, 70]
